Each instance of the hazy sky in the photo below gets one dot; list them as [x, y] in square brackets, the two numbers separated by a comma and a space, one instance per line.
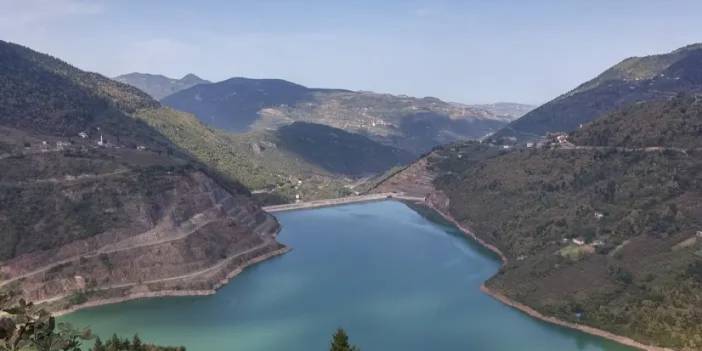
[466, 51]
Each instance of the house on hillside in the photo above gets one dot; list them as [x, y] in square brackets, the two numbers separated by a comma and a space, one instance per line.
[61, 145]
[699, 234]
[578, 241]
[558, 139]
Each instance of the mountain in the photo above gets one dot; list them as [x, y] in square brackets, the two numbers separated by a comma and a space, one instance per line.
[633, 80]
[233, 104]
[97, 204]
[675, 122]
[412, 124]
[607, 234]
[306, 160]
[339, 151]
[159, 86]
[509, 110]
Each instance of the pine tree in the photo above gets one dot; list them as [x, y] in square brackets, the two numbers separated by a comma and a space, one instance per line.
[136, 343]
[340, 342]
[98, 345]
[113, 344]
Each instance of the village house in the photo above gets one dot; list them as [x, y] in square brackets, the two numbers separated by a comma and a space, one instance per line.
[599, 215]
[578, 241]
[60, 145]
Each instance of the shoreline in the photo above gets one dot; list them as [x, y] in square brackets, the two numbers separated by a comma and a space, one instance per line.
[626, 341]
[175, 293]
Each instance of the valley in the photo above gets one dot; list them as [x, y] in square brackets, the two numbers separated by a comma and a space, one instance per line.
[130, 204]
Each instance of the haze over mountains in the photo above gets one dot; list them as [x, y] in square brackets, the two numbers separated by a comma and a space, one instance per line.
[633, 80]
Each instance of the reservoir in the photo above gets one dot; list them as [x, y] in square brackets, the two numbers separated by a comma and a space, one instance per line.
[393, 278]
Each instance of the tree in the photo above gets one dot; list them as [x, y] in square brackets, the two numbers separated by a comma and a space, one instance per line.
[136, 343]
[98, 345]
[24, 326]
[114, 343]
[340, 342]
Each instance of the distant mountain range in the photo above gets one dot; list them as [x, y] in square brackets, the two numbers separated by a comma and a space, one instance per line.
[159, 86]
[509, 110]
[413, 124]
[631, 81]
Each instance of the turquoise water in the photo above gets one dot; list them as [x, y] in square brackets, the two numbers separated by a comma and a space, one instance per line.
[392, 278]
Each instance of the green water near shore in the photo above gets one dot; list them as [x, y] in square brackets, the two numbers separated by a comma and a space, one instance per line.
[394, 279]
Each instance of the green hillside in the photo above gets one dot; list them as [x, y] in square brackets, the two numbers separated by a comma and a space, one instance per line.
[638, 214]
[634, 80]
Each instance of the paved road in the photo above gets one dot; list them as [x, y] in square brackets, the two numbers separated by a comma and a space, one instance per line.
[340, 201]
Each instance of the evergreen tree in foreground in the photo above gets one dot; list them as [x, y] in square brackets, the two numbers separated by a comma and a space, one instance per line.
[340, 342]
[117, 344]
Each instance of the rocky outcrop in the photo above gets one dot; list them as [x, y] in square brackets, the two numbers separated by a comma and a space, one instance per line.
[414, 180]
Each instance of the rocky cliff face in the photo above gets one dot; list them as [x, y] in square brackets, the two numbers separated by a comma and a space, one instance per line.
[126, 232]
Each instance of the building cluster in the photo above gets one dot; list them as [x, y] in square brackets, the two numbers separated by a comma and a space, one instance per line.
[552, 140]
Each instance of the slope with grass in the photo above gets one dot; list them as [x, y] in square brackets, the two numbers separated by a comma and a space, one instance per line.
[636, 79]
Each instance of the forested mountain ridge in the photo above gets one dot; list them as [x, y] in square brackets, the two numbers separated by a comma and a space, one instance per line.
[159, 86]
[413, 124]
[608, 235]
[96, 204]
[675, 122]
[634, 80]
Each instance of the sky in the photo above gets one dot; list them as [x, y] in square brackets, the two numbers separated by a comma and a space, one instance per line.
[527, 51]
